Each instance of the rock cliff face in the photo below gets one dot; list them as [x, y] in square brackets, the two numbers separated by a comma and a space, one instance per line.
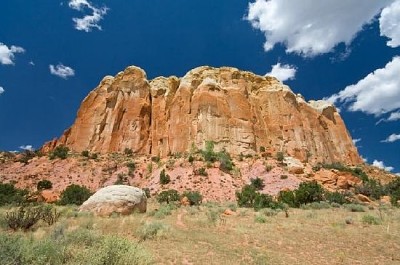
[238, 110]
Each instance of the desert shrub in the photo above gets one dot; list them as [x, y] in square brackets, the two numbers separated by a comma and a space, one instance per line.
[355, 207]
[164, 210]
[26, 156]
[269, 212]
[9, 194]
[11, 249]
[85, 153]
[225, 161]
[44, 185]
[335, 197]
[74, 194]
[308, 192]
[208, 154]
[288, 197]
[247, 196]
[131, 165]
[262, 201]
[128, 151]
[23, 218]
[194, 197]
[316, 206]
[94, 156]
[59, 152]
[201, 171]
[190, 159]
[168, 196]
[121, 179]
[371, 188]
[280, 156]
[262, 149]
[152, 230]
[213, 216]
[155, 159]
[147, 192]
[257, 183]
[393, 190]
[164, 178]
[284, 176]
[371, 220]
[260, 218]
[49, 214]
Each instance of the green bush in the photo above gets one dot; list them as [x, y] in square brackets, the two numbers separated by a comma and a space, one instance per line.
[262, 201]
[288, 197]
[225, 160]
[309, 192]
[371, 220]
[152, 230]
[128, 151]
[44, 185]
[371, 188]
[208, 154]
[194, 197]
[355, 207]
[74, 194]
[280, 156]
[59, 152]
[85, 153]
[9, 194]
[335, 197]
[164, 178]
[257, 183]
[168, 196]
[201, 171]
[393, 190]
[260, 218]
[246, 197]
[262, 149]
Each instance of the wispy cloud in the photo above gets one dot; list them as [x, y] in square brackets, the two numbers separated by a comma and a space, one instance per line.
[310, 27]
[283, 72]
[88, 22]
[1, 90]
[355, 141]
[27, 147]
[381, 165]
[7, 54]
[61, 70]
[392, 138]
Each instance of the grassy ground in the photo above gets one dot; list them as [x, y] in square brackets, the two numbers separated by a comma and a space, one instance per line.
[201, 235]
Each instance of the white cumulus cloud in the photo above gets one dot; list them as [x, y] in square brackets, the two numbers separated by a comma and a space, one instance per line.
[355, 141]
[377, 93]
[392, 138]
[27, 147]
[1, 90]
[283, 72]
[310, 27]
[381, 165]
[88, 22]
[61, 70]
[389, 24]
[7, 54]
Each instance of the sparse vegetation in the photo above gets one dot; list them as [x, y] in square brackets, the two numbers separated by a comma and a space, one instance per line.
[128, 151]
[44, 184]
[201, 171]
[74, 194]
[168, 196]
[164, 178]
[59, 152]
[280, 156]
[194, 197]
[9, 194]
[257, 183]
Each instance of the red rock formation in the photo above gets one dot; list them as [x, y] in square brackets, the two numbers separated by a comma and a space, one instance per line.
[238, 110]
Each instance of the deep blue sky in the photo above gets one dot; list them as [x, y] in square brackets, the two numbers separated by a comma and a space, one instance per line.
[164, 37]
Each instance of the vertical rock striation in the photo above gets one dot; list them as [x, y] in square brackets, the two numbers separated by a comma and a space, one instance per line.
[238, 110]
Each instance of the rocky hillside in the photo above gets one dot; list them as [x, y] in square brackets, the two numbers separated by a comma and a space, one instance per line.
[239, 111]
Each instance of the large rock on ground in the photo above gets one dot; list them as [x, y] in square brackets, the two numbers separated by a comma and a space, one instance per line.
[120, 199]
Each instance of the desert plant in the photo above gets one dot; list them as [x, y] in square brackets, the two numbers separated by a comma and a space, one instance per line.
[371, 188]
[257, 183]
[190, 159]
[147, 192]
[262, 149]
[201, 171]
[247, 196]
[59, 152]
[74, 194]
[121, 179]
[225, 161]
[128, 151]
[262, 201]
[194, 197]
[164, 178]
[308, 192]
[168, 196]
[280, 156]
[371, 220]
[85, 153]
[335, 197]
[49, 214]
[9, 194]
[355, 207]
[152, 230]
[208, 154]
[288, 197]
[23, 218]
[44, 185]
[260, 218]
